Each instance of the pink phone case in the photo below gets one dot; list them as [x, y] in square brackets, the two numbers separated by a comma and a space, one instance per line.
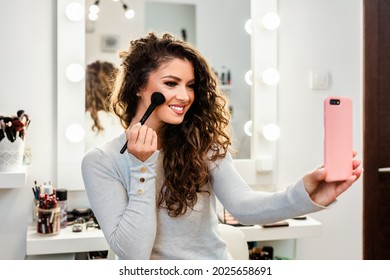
[338, 138]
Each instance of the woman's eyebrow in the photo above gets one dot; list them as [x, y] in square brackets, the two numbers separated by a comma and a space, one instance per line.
[177, 78]
[172, 77]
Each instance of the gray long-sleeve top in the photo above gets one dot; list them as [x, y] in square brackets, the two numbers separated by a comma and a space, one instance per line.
[122, 193]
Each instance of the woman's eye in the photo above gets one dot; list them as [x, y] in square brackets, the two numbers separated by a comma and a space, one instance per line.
[171, 84]
[191, 86]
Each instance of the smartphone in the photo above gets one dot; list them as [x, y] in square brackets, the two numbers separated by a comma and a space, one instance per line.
[338, 150]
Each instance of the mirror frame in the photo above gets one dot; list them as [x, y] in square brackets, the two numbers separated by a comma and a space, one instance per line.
[258, 170]
[70, 97]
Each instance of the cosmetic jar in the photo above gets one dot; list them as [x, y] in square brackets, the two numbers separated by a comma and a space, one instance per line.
[62, 196]
[48, 221]
[77, 227]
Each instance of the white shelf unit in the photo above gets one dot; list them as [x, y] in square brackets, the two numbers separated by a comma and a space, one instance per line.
[296, 229]
[11, 180]
[283, 239]
[67, 241]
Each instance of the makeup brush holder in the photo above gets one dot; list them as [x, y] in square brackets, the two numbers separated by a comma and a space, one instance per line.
[48, 221]
[11, 155]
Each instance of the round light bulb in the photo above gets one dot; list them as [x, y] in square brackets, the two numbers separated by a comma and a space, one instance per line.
[270, 76]
[249, 77]
[271, 21]
[271, 132]
[248, 26]
[94, 9]
[75, 72]
[75, 133]
[92, 16]
[74, 11]
[248, 127]
[129, 13]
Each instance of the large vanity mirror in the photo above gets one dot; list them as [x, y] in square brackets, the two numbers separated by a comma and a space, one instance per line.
[216, 28]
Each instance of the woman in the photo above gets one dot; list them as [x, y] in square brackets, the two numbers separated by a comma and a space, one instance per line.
[158, 199]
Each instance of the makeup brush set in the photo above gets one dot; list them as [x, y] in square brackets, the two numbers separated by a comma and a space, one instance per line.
[12, 135]
[15, 126]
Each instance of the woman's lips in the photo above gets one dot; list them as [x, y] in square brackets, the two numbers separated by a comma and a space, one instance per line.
[177, 109]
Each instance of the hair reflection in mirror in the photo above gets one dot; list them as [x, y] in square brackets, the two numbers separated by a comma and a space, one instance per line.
[101, 124]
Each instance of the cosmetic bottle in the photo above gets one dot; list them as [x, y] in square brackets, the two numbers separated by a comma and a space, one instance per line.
[224, 78]
[229, 78]
[62, 195]
[223, 81]
[46, 189]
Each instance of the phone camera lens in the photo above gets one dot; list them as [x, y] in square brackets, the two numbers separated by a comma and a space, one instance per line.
[334, 102]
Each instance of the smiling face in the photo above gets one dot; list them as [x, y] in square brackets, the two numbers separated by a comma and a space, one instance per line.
[175, 80]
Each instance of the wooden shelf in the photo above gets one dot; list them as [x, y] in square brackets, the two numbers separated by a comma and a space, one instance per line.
[11, 180]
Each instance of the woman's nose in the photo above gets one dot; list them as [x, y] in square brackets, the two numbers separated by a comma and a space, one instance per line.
[182, 94]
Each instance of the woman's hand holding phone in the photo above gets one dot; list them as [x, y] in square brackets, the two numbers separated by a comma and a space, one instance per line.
[323, 192]
[340, 169]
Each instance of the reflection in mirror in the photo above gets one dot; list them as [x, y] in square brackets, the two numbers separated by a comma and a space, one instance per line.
[101, 125]
[178, 19]
[216, 28]
[219, 25]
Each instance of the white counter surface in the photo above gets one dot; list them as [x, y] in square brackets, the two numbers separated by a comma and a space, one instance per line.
[67, 241]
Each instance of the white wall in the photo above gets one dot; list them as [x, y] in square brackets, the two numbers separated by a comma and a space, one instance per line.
[28, 79]
[320, 34]
[28, 82]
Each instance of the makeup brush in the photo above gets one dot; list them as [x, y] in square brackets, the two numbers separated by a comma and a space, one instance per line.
[157, 98]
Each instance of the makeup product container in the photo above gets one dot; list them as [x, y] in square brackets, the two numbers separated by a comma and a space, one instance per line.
[62, 196]
[35, 204]
[11, 155]
[48, 221]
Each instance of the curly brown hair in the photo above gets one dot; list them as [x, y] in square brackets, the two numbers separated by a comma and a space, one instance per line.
[203, 136]
[99, 79]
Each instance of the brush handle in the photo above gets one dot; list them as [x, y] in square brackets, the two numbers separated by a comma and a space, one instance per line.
[156, 99]
[124, 147]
